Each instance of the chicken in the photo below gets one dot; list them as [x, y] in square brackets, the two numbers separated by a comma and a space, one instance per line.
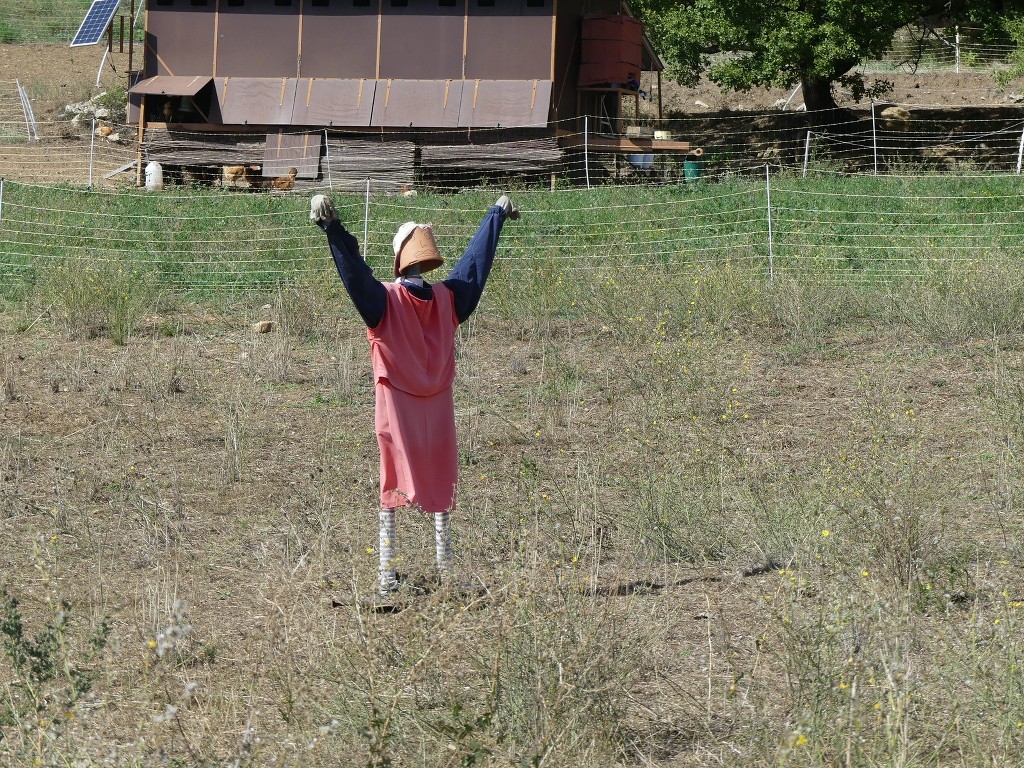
[233, 174]
[285, 182]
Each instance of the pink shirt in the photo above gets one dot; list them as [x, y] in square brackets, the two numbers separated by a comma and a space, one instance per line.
[413, 354]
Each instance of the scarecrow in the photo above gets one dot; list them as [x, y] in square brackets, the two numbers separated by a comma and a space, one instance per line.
[411, 327]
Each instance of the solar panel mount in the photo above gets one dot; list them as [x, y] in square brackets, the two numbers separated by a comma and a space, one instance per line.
[95, 22]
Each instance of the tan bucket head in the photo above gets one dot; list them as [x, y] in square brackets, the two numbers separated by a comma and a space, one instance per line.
[414, 244]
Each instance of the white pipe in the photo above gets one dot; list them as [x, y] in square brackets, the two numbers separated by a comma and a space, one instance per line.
[103, 61]
[1, 201]
[771, 249]
[1020, 151]
[366, 218]
[586, 158]
[807, 152]
[21, 95]
[795, 90]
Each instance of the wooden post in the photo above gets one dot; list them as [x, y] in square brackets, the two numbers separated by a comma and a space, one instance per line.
[131, 37]
[659, 94]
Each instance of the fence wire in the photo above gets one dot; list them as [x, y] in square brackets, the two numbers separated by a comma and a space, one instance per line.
[834, 226]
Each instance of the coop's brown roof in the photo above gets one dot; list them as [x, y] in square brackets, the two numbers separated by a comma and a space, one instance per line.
[384, 103]
[188, 85]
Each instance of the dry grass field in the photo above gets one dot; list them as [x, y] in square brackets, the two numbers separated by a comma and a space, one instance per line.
[720, 520]
[718, 525]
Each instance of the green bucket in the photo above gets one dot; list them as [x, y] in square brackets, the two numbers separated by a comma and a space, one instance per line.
[692, 169]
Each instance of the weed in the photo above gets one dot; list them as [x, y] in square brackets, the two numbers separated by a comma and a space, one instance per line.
[52, 670]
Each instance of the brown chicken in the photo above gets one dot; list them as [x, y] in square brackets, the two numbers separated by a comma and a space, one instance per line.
[286, 182]
[233, 174]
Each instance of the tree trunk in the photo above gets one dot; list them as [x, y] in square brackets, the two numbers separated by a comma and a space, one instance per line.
[818, 95]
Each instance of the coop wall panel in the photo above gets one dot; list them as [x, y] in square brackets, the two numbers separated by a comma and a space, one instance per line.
[417, 103]
[255, 100]
[179, 39]
[333, 102]
[258, 38]
[505, 103]
[508, 40]
[293, 150]
[421, 40]
[339, 40]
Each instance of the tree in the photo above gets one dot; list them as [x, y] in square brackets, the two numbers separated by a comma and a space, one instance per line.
[1014, 26]
[778, 43]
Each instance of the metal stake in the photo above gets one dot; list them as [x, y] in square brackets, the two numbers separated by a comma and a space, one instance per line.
[771, 249]
[586, 157]
[366, 218]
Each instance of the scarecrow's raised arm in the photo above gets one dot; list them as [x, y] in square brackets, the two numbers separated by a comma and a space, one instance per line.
[366, 292]
[468, 277]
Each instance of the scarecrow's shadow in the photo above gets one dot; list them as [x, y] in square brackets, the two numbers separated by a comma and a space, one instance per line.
[648, 587]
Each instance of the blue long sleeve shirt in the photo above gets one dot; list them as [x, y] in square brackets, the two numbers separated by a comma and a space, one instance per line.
[466, 281]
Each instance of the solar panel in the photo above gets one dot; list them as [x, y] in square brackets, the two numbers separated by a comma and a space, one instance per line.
[95, 22]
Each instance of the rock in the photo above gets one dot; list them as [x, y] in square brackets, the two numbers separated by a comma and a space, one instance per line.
[263, 326]
[699, 103]
[895, 118]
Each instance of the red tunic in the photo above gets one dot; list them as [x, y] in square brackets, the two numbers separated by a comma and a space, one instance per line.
[413, 354]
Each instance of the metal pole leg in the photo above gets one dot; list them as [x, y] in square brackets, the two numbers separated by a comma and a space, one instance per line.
[388, 581]
[443, 542]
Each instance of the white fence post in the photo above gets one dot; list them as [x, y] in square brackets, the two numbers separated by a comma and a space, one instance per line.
[327, 160]
[874, 138]
[586, 158]
[771, 245]
[366, 218]
[1020, 151]
[92, 149]
[807, 152]
[956, 49]
[1, 201]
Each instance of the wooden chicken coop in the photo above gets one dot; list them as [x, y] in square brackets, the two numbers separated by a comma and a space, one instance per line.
[288, 83]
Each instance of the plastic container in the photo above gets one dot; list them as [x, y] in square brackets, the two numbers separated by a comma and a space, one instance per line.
[154, 176]
[643, 162]
[692, 168]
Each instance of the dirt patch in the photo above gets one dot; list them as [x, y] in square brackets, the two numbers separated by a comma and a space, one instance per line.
[57, 75]
[948, 89]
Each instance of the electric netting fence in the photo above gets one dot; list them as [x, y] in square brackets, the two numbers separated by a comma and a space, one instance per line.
[876, 139]
[874, 229]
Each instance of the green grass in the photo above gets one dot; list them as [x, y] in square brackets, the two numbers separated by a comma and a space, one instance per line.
[41, 21]
[867, 229]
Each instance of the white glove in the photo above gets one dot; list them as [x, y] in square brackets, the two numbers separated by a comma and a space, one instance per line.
[511, 211]
[322, 210]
